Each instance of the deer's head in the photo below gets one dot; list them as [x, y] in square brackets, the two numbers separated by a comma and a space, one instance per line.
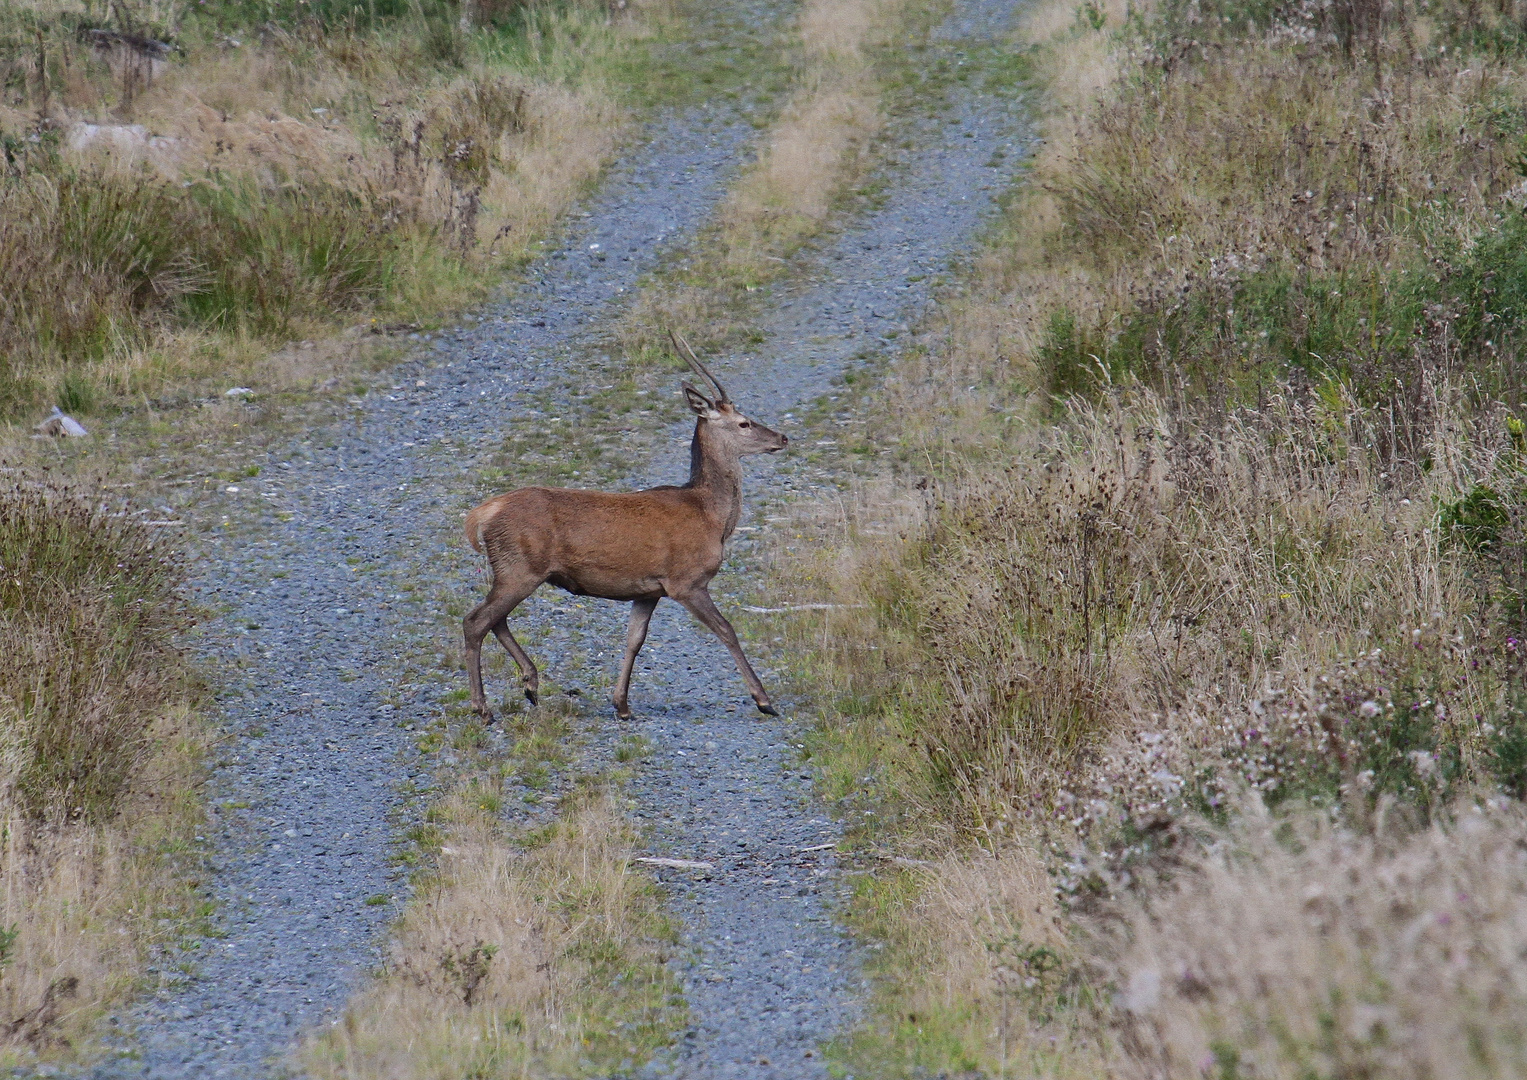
[726, 424]
[730, 428]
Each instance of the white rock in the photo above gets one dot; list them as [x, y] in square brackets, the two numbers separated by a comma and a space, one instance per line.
[238, 391]
[1143, 991]
[61, 424]
[120, 138]
[676, 864]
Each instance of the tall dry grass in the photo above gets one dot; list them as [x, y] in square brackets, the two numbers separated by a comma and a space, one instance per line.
[1131, 566]
[535, 955]
[100, 766]
[88, 658]
[977, 956]
[1303, 949]
[1216, 512]
[269, 180]
[1246, 207]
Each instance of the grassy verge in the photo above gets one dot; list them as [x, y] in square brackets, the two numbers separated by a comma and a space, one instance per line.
[534, 952]
[100, 766]
[275, 173]
[1213, 596]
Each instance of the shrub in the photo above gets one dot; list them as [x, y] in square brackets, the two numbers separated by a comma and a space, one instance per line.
[1295, 948]
[89, 614]
[1476, 521]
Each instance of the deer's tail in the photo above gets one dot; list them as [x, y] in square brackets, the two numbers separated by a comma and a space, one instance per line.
[477, 517]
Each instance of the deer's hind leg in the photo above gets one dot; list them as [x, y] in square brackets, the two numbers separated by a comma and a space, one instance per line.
[493, 614]
[636, 636]
[528, 673]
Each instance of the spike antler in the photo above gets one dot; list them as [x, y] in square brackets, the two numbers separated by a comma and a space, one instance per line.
[682, 348]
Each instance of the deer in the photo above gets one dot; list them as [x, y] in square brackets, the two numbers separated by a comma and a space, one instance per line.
[638, 546]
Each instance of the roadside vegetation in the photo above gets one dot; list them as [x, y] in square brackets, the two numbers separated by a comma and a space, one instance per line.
[1181, 663]
[530, 951]
[100, 759]
[186, 186]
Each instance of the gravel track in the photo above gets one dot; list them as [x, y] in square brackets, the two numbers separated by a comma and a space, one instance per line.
[315, 575]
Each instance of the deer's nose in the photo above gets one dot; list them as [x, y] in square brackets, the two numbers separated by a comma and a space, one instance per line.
[784, 440]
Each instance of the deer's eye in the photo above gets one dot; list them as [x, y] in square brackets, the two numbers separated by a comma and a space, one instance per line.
[746, 423]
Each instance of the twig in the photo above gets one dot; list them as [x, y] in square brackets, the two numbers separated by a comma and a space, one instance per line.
[676, 864]
[798, 607]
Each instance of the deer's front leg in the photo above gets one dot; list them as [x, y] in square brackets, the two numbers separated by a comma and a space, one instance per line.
[702, 607]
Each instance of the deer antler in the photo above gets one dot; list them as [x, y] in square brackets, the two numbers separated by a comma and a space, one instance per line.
[682, 347]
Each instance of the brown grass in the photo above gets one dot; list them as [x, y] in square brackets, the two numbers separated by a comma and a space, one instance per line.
[1377, 953]
[979, 956]
[99, 763]
[528, 956]
[307, 178]
[91, 904]
[1224, 513]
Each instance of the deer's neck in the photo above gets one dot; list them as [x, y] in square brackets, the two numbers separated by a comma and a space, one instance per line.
[717, 476]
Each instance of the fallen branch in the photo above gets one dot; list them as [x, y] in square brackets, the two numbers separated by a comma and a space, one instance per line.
[676, 864]
[798, 607]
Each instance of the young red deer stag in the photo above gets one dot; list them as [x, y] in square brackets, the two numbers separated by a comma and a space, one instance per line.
[639, 546]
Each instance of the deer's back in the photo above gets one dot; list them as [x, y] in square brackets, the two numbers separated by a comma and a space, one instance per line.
[616, 545]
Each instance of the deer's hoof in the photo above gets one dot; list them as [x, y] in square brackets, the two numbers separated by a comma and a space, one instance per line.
[532, 697]
[486, 715]
[622, 714]
[767, 709]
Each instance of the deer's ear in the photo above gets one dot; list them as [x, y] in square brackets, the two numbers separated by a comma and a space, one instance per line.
[699, 404]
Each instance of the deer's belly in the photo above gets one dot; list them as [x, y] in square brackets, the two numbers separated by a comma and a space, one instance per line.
[608, 587]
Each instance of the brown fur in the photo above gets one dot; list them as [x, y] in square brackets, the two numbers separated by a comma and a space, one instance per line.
[639, 546]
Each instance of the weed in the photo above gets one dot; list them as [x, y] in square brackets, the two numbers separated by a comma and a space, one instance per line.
[92, 611]
[99, 762]
[543, 955]
[1297, 945]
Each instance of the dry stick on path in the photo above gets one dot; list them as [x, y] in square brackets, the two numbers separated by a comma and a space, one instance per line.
[639, 546]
